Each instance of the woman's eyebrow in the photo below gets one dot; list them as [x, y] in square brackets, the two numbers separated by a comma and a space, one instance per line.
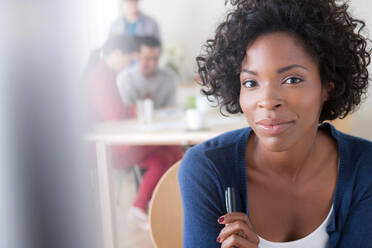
[249, 72]
[287, 68]
[280, 70]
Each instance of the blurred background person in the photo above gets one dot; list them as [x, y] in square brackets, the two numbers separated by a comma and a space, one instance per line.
[134, 22]
[146, 79]
[104, 104]
[103, 99]
[126, 52]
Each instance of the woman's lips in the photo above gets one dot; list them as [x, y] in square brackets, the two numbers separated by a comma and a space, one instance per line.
[276, 128]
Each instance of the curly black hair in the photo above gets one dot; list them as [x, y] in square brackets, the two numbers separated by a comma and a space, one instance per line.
[327, 30]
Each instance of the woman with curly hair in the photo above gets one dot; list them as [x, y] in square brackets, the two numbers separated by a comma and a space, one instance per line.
[288, 66]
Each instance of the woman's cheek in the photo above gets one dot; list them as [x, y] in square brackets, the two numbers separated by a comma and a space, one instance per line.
[247, 106]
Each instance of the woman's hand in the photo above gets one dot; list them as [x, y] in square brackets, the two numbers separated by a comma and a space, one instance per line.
[238, 231]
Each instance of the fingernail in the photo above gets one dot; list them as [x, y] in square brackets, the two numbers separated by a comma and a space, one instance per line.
[219, 240]
[221, 219]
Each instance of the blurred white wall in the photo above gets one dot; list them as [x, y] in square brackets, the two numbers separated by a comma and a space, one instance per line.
[99, 15]
[94, 23]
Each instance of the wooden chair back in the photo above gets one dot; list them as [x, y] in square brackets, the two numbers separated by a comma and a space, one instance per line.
[165, 213]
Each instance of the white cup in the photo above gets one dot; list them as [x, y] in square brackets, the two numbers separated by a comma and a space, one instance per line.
[145, 110]
[202, 104]
[195, 119]
[148, 110]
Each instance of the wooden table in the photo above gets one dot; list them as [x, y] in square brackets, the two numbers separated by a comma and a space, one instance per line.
[166, 129]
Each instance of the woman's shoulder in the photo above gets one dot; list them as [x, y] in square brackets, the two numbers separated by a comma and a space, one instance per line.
[356, 157]
[219, 154]
[358, 154]
[356, 147]
[232, 140]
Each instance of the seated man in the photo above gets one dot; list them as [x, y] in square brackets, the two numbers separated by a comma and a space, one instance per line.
[147, 80]
[104, 104]
[100, 80]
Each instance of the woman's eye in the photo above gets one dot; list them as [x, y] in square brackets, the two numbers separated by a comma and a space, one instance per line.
[293, 80]
[249, 84]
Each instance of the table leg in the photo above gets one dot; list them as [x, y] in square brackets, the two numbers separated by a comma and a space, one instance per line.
[106, 195]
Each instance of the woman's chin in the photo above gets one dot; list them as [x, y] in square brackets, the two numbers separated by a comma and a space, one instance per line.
[274, 144]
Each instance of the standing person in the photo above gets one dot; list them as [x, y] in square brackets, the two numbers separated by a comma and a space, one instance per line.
[105, 105]
[288, 66]
[146, 79]
[134, 22]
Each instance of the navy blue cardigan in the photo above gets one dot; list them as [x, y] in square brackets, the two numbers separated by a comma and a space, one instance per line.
[208, 168]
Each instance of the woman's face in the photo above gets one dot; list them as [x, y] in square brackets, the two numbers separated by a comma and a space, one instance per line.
[281, 93]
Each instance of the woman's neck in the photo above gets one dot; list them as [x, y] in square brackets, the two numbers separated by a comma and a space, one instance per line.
[291, 164]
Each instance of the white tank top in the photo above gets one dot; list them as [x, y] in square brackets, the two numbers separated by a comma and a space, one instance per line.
[318, 238]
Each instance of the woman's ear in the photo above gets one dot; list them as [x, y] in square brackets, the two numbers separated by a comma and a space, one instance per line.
[327, 89]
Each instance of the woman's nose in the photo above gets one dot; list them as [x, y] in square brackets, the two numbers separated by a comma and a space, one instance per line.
[270, 98]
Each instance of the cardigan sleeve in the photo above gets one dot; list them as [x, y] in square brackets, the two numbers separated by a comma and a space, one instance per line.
[357, 231]
[200, 201]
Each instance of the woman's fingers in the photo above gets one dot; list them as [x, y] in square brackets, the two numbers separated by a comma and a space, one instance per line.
[235, 241]
[237, 225]
[235, 216]
[239, 228]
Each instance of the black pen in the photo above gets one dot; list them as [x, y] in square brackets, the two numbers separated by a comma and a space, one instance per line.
[230, 200]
